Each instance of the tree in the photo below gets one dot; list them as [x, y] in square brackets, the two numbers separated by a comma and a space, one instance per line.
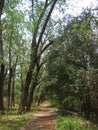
[10, 39]
[2, 66]
[35, 48]
[59, 77]
[13, 47]
[69, 64]
[35, 81]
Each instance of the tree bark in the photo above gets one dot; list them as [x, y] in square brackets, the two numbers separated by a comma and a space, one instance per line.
[2, 67]
[2, 77]
[25, 92]
[9, 89]
[33, 86]
[13, 83]
[10, 71]
[30, 97]
[1, 43]
[13, 92]
[33, 58]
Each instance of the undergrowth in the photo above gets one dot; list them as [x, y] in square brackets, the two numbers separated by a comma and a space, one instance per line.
[12, 121]
[74, 122]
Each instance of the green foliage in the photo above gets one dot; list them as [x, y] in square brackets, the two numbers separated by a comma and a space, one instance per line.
[69, 77]
[12, 121]
[75, 27]
[61, 81]
[1, 61]
[74, 122]
[69, 63]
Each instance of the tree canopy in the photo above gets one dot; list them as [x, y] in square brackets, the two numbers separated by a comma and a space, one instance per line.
[43, 57]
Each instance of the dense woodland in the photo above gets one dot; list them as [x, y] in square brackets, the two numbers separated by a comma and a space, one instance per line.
[45, 58]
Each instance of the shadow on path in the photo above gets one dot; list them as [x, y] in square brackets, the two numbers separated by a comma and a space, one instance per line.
[44, 119]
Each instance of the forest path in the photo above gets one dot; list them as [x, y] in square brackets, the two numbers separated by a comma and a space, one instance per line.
[44, 119]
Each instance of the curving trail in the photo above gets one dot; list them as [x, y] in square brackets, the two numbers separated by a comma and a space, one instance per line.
[44, 119]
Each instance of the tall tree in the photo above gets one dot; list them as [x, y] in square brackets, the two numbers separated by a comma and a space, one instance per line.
[12, 24]
[70, 62]
[36, 41]
[2, 66]
[34, 83]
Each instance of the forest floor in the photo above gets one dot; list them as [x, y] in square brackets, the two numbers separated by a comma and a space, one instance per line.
[44, 119]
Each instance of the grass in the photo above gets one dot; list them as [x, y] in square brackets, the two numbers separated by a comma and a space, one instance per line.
[74, 122]
[12, 121]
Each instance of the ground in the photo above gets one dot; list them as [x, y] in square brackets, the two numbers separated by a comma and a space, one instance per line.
[44, 119]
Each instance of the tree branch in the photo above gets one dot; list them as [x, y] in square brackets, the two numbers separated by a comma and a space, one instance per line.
[1, 6]
[76, 64]
[51, 42]
[38, 23]
[46, 22]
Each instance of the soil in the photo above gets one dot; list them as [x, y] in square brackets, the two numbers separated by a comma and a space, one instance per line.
[44, 119]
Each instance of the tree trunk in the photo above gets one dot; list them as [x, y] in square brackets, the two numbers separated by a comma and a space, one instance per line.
[21, 77]
[9, 90]
[13, 83]
[30, 97]
[1, 88]
[33, 58]
[25, 92]
[13, 93]
[2, 67]
[33, 86]
[96, 99]
[41, 99]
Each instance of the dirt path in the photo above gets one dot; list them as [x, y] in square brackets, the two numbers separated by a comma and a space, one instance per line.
[44, 119]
